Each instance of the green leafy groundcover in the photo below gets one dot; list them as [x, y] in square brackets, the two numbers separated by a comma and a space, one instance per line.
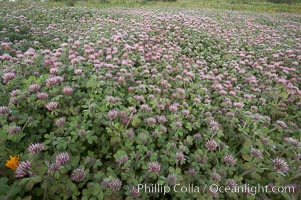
[95, 102]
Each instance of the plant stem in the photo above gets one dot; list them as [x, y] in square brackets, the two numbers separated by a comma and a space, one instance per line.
[45, 191]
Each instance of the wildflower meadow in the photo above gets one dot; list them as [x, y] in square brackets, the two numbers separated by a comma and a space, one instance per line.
[96, 102]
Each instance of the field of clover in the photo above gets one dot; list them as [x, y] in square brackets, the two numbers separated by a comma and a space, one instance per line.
[95, 102]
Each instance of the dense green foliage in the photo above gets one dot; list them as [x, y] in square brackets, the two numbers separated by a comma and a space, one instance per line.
[283, 1]
[96, 102]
